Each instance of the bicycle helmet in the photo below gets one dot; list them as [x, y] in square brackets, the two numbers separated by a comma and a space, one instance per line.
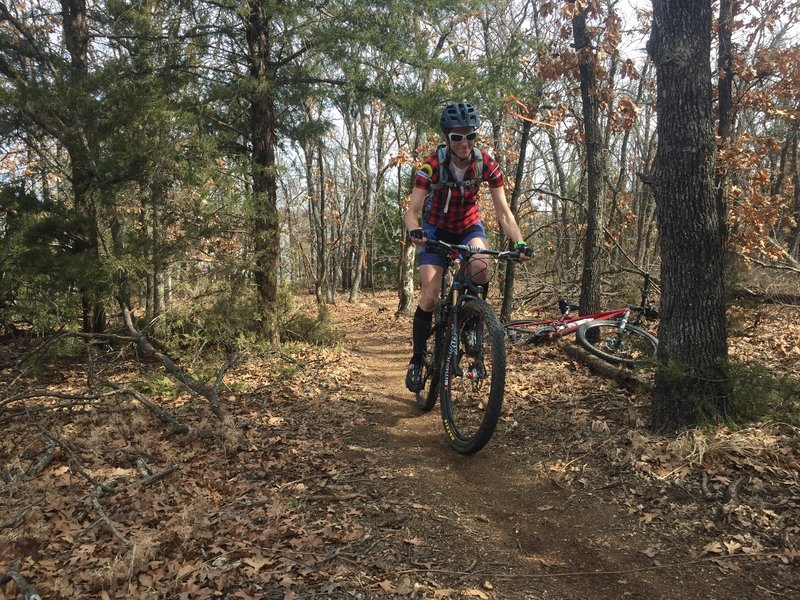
[458, 114]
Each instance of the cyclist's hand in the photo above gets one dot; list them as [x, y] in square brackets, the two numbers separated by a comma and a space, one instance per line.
[525, 253]
[417, 237]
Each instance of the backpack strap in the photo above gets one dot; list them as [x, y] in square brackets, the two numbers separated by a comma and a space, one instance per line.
[477, 157]
[445, 179]
[441, 151]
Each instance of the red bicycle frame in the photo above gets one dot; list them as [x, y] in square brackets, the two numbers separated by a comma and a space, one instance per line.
[549, 329]
[540, 330]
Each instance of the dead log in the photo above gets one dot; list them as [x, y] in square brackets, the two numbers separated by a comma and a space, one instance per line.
[622, 375]
[765, 297]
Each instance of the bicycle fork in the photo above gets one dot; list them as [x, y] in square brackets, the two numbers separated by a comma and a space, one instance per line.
[623, 322]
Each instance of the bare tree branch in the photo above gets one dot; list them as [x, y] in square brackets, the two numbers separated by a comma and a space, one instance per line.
[166, 417]
[106, 520]
[28, 591]
[209, 393]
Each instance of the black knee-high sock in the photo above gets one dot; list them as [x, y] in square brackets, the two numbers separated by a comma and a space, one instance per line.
[421, 330]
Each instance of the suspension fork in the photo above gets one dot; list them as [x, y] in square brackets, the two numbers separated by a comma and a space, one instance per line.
[455, 293]
[623, 322]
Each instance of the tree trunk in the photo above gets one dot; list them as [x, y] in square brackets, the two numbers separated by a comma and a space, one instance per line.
[266, 243]
[794, 243]
[692, 376]
[405, 266]
[365, 182]
[405, 287]
[561, 212]
[77, 140]
[726, 124]
[595, 168]
[508, 285]
[156, 246]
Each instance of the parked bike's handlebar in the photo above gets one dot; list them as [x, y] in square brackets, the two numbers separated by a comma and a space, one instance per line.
[649, 312]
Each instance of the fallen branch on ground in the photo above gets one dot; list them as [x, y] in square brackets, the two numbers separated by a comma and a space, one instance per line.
[106, 519]
[166, 417]
[211, 394]
[28, 591]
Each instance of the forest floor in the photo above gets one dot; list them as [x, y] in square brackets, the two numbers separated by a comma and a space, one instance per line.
[328, 482]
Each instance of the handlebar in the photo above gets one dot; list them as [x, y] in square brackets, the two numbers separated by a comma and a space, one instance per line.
[648, 311]
[468, 251]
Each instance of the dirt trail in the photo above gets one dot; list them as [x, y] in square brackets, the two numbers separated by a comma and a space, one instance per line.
[533, 515]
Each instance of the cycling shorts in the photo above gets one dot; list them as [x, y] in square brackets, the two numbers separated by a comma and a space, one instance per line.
[427, 257]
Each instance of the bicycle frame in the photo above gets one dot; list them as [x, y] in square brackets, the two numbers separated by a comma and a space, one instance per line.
[549, 329]
[452, 295]
[461, 287]
[467, 379]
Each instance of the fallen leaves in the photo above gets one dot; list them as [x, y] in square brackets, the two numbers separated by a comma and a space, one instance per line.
[305, 511]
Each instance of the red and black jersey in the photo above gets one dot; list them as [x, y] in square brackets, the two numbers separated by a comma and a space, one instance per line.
[454, 207]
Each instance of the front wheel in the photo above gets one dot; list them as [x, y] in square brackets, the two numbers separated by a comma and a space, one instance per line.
[431, 368]
[473, 375]
[625, 346]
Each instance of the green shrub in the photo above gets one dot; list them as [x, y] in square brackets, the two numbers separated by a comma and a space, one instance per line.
[319, 331]
[205, 331]
[157, 384]
[759, 395]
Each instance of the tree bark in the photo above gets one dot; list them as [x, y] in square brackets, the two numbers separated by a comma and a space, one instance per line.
[595, 168]
[266, 220]
[692, 381]
[83, 169]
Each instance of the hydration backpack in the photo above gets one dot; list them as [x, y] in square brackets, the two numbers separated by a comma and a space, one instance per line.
[445, 176]
[446, 179]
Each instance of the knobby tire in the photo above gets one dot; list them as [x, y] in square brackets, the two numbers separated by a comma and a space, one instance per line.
[626, 348]
[472, 379]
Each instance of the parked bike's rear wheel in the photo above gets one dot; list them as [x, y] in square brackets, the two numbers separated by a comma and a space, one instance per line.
[472, 377]
[625, 347]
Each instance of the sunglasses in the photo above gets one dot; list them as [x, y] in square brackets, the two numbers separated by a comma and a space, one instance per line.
[457, 137]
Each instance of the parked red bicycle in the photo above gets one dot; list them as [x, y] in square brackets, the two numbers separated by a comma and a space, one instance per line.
[611, 334]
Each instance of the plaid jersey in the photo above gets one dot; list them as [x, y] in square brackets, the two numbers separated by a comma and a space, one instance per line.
[455, 209]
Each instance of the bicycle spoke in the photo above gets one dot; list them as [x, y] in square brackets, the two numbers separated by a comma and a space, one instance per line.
[604, 339]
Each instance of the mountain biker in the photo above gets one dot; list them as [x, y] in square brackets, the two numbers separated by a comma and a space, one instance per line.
[445, 194]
